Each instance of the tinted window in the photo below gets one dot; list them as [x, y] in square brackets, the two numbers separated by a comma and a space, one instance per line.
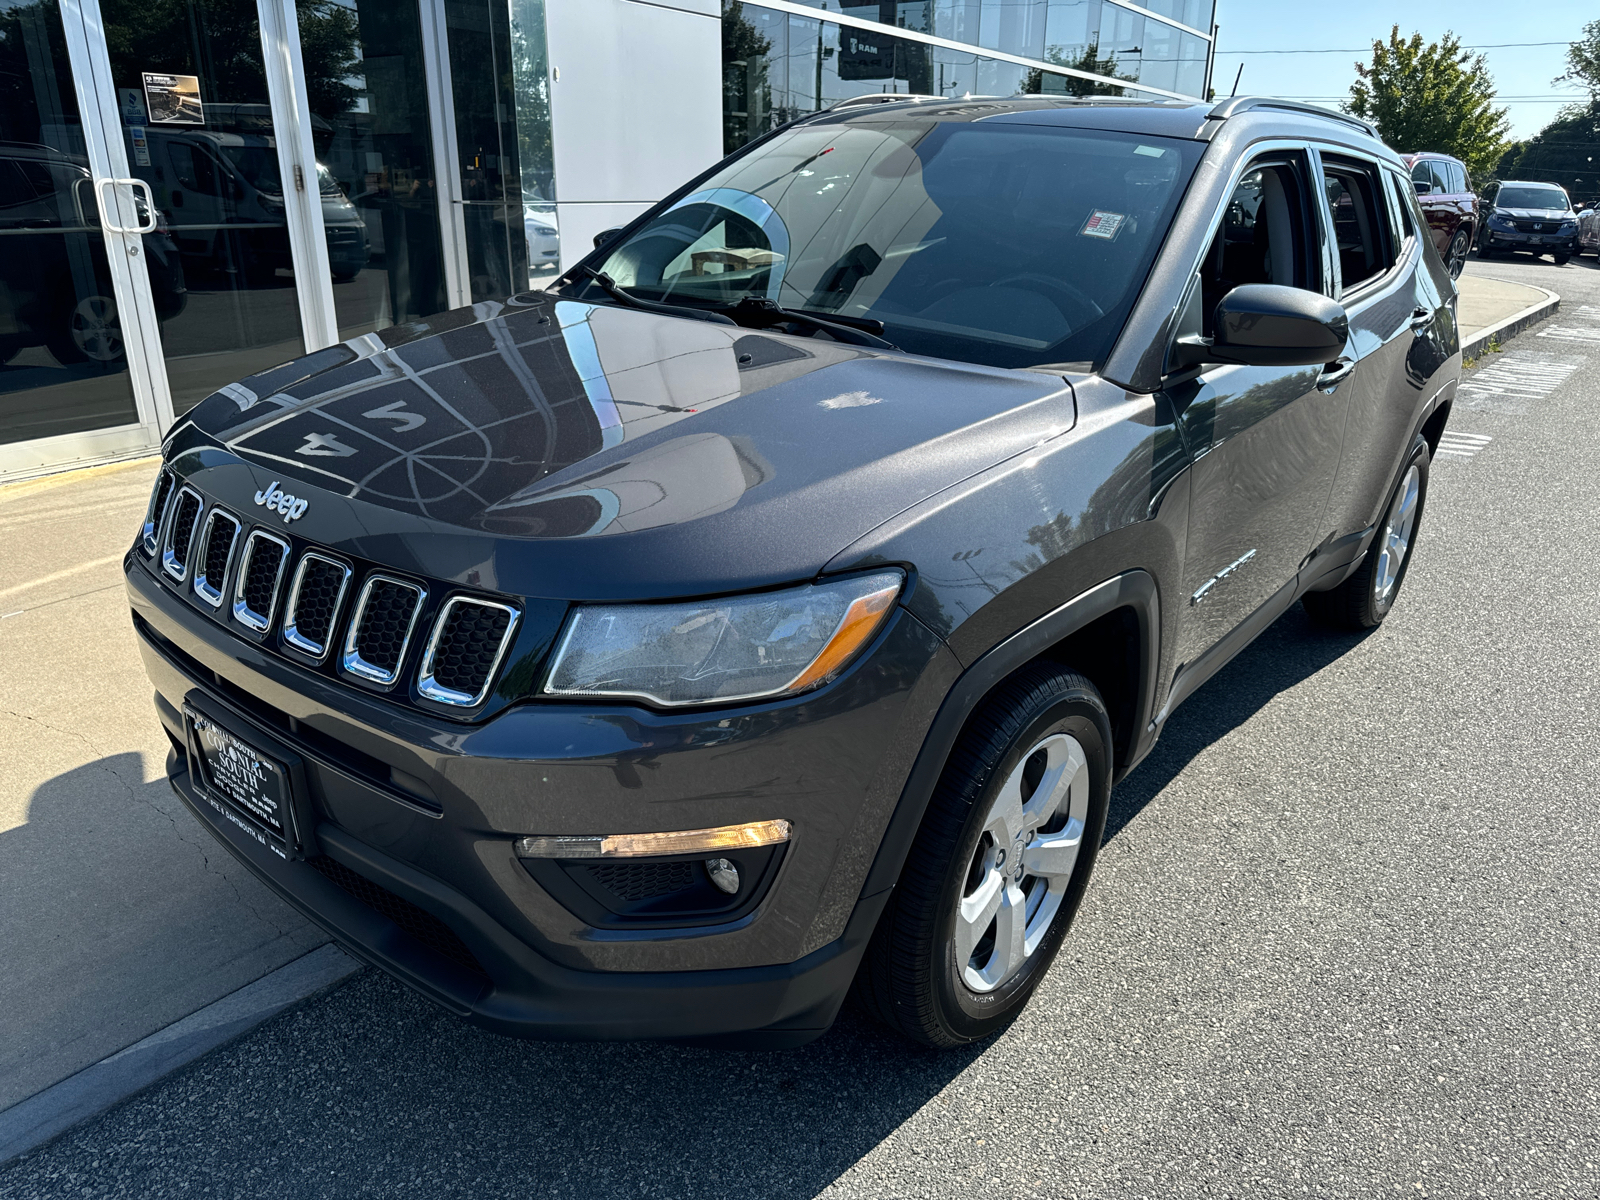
[1262, 238]
[1423, 173]
[1010, 245]
[1402, 200]
[1521, 195]
[1356, 203]
[1458, 177]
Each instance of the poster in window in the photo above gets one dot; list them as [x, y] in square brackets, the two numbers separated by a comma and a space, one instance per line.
[173, 99]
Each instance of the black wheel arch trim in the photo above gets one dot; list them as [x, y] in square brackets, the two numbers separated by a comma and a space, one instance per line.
[1136, 589]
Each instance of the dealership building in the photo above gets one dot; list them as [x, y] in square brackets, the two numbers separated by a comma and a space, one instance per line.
[192, 192]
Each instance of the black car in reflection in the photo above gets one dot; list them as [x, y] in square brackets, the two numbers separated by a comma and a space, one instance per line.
[768, 607]
[55, 286]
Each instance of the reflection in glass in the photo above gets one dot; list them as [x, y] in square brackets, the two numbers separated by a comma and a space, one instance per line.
[368, 96]
[63, 362]
[212, 167]
[530, 83]
[486, 144]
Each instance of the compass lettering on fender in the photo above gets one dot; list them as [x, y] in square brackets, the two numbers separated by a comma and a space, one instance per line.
[275, 499]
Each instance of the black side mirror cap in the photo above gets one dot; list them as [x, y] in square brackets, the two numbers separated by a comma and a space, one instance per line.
[606, 235]
[1269, 325]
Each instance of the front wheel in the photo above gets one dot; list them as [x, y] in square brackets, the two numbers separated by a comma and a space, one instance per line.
[1000, 864]
[1562, 258]
[1364, 600]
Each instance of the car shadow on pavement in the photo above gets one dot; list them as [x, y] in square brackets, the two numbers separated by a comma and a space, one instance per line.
[1291, 651]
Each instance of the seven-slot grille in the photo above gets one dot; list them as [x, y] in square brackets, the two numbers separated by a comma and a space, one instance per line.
[216, 553]
[159, 495]
[255, 592]
[469, 639]
[314, 598]
[380, 631]
[180, 533]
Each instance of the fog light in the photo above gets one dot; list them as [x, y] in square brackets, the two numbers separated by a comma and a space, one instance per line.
[638, 845]
[724, 874]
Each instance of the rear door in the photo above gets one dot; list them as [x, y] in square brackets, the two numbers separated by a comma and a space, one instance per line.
[1265, 440]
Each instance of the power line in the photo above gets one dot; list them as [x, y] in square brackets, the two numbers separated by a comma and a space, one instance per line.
[1368, 49]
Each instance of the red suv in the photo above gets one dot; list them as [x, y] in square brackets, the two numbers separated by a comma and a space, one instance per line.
[1445, 193]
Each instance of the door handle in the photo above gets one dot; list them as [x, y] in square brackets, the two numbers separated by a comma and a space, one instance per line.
[1421, 318]
[144, 226]
[1335, 373]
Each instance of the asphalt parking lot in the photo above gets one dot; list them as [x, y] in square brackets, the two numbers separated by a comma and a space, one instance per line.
[1342, 941]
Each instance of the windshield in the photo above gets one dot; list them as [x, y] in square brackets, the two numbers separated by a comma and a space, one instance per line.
[1006, 244]
[1531, 197]
[327, 185]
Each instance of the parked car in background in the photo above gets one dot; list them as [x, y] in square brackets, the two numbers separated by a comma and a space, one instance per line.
[1589, 229]
[55, 289]
[1444, 190]
[1536, 217]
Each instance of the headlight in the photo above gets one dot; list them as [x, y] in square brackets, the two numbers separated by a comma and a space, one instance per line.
[1502, 221]
[1569, 227]
[738, 648]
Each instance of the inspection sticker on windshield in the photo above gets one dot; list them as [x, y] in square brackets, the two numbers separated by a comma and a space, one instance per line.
[1102, 224]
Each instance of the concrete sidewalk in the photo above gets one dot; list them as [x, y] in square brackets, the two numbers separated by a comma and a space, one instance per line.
[118, 914]
[1498, 310]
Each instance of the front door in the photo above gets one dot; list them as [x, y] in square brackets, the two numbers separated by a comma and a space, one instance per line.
[69, 352]
[1265, 440]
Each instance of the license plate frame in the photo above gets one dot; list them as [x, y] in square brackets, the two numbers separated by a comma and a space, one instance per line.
[250, 779]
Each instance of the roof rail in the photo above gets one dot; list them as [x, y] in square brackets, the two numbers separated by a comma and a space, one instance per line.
[879, 98]
[1234, 105]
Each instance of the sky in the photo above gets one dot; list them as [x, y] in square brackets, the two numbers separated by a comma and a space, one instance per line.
[1522, 74]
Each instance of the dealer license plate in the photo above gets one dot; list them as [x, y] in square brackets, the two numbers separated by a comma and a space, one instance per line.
[250, 789]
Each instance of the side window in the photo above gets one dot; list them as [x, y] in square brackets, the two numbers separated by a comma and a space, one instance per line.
[1404, 199]
[1422, 173]
[1262, 239]
[1355, 201]
[1457, 177]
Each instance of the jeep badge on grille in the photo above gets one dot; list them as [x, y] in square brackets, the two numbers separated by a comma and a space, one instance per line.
[276, 499]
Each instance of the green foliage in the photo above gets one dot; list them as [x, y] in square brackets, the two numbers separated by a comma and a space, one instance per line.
[1431, 97]
[1566, 152]
[1583, 62]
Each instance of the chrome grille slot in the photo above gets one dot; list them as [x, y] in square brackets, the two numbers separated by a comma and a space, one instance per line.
[255, 590]
[314, 599]
[216, 555]
[180, 533]
[469, 639]
[159, 495]
[380, 631]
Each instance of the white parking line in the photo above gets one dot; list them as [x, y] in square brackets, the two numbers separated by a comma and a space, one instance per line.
[1506, 385]
[1572, 333]
[1462, 445]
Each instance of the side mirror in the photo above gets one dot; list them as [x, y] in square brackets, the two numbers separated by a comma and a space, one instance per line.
[1269, 325]
[1423, 187]
[606, 235]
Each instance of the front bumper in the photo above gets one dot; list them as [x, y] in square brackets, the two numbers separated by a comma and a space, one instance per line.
[427, 812]
[1514, 240]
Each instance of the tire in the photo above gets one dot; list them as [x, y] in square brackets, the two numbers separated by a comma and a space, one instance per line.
[1561, 259]
[1456, 255]
[1368, 596]
[89, 332]
[1046, 719]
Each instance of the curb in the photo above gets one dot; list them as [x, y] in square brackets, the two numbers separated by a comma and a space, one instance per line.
[32, 1122]
[1514, 324]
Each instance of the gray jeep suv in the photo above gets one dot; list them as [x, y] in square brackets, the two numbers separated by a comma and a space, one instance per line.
[770, 607]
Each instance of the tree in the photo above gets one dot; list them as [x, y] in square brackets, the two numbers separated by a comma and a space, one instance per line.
[1048, 82]
[1583, 62]
[1434, 97]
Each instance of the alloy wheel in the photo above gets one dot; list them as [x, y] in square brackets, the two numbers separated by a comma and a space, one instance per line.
[1022, 864]
[1397, 530]
[1458, 254]
[96, 332]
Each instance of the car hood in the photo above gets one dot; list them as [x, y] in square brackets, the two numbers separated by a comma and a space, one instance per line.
[552, 447]
[1536, 214]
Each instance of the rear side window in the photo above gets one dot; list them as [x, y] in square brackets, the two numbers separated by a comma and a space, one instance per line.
[1355, 203]
[1402, 200]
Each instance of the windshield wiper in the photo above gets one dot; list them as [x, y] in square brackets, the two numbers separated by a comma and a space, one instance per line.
[611, 288]
[758, 312]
